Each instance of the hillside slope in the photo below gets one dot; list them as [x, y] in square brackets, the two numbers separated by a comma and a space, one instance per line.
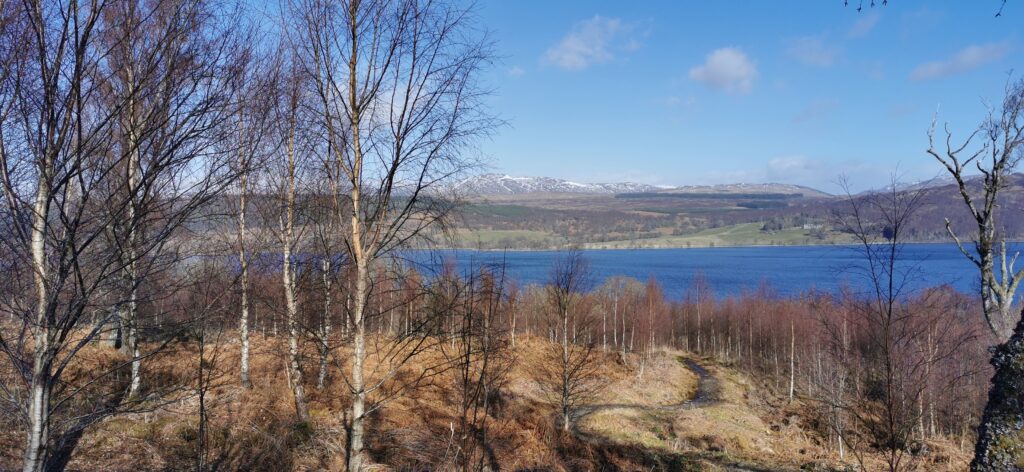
[691, 217]
[671, 412]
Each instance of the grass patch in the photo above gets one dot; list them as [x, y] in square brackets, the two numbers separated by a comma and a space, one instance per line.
[744, 234]
[488, 238]
[504, 211]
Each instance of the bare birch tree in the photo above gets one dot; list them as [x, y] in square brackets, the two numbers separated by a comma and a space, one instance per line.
[399, 105]
[287, 208]
[480, 361]
[994, 150]
[898, 342]
[251, 119]
[569, 370]
[108, 146]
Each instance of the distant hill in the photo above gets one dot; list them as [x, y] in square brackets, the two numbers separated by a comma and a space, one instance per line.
[536, 216]
[507, 185]
[750, 189]
[499, 184]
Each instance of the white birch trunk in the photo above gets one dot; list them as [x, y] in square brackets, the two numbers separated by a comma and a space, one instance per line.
[243, 276]
[288, 279]
[38, 437]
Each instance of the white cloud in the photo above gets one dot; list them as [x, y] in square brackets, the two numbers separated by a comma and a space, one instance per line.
[812, 51]
[966, 59]
[864, 25]
[592, 41]
[516, 72]
[726, 69]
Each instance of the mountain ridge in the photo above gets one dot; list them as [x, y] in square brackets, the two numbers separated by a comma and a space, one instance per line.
[504, 184]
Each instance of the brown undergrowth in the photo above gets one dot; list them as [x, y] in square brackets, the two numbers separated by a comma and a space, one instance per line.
[748, 428]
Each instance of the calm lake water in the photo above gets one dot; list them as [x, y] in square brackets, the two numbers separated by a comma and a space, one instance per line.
[789, 271]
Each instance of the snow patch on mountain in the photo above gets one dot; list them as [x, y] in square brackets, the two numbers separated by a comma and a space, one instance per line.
[501, 184]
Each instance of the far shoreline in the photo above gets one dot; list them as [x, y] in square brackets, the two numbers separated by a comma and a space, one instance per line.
[650, 248]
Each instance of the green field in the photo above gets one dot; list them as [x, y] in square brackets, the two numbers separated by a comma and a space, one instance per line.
[745, 234]
[513, 239]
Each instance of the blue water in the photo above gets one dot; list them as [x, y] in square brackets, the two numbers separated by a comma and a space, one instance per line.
[788, 271]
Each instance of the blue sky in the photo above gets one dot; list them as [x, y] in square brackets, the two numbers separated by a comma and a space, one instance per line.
[688, 92]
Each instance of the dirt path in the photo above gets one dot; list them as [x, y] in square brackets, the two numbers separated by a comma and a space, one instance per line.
[708, 393]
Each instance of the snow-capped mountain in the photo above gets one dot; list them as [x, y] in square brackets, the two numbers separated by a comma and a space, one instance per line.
[500, 184]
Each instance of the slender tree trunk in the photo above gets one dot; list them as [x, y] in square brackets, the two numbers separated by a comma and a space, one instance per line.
[565, 369]
[792, 359]
[615, 314]
[391, 312]
[38, 437]
[604, 331]
[36, 448]
[750, 340]
[360, 257]
[775, 354]
[325, 325]
[346, 326]
[129, 321]
[288, 278]
[699, 351]
[357, 430]
[632, 334]
[513, 330]
[623, 339]
[410, 310]
[839, 433]
[243, 277]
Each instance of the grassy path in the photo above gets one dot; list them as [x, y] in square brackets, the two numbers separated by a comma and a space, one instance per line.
[708, 393]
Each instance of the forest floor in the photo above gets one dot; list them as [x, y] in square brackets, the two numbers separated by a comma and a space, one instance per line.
[672, 411]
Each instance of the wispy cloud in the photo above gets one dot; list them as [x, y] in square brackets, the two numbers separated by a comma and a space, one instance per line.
[864, 24]
[819, 173]
[727, 69]
[516, 72]
[901, 110]
[675, 101]
[816, 110]
[919, 21]
[813, 51]
[874, 70]
[965, 60]
[592, 41]
[791, 169]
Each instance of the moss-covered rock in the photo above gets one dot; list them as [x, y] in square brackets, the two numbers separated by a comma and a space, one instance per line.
[1001, 434]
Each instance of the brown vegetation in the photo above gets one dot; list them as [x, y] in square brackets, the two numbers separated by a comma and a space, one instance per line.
[746, 344]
